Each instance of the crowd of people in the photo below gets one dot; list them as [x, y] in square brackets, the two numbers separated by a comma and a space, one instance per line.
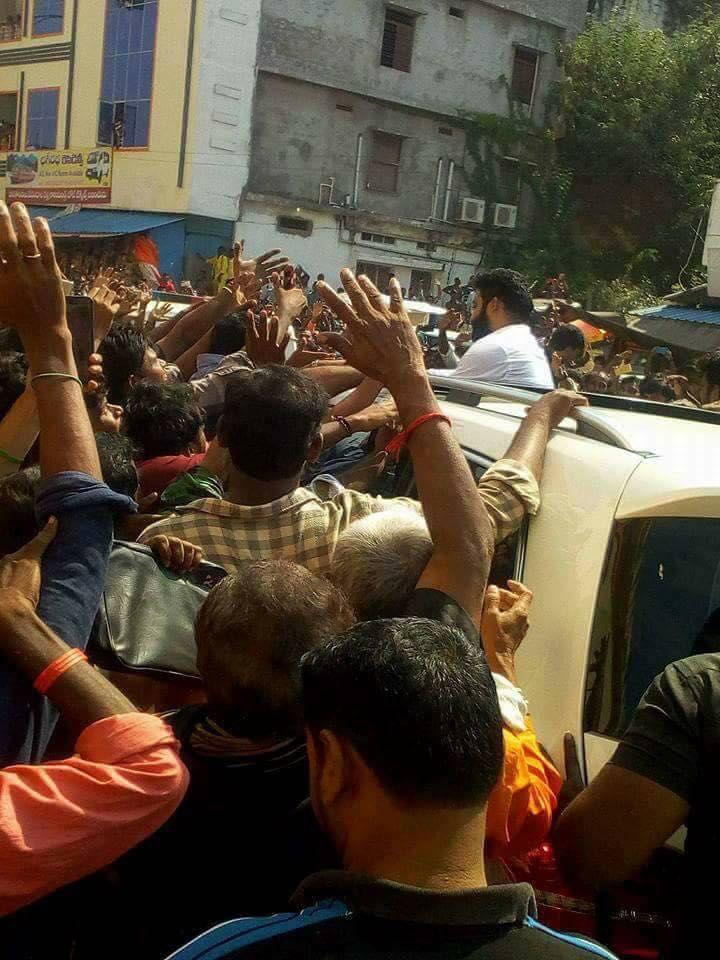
[351, 768]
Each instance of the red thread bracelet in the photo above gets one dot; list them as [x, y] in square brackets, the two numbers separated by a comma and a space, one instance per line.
[52, 673]
[399, 441]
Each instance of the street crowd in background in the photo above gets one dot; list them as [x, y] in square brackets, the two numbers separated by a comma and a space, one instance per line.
[346, 764]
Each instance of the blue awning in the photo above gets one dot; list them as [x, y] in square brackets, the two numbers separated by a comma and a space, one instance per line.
[101, 223]
[672, 311]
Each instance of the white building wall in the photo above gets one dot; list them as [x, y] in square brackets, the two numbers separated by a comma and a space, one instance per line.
[328, 249]
[221, 105]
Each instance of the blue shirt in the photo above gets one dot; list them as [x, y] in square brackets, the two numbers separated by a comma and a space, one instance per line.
[73, 577]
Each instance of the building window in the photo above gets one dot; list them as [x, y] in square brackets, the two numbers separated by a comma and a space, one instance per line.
[128, 65]
[384, 166]
[295, 225]
[508, 181]
[346, 108]
[378, 238]
[11, 20]
[456, 12]
[42, 119]
[377, 272]
[8, 120]
[397, 41]
[524, 75]
[48, 17]
[445, 131]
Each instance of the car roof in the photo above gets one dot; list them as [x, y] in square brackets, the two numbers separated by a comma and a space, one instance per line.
[679, 458]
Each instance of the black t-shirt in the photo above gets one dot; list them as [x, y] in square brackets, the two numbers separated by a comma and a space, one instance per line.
[674, 740]
[436, 605]
[352, 917]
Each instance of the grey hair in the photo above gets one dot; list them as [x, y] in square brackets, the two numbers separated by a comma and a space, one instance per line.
[378, 561]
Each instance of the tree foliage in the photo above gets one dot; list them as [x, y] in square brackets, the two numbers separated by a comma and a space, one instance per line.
[622, 188]
[643, 142]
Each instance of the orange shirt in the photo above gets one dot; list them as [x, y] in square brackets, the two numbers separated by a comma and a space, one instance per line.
[62, 821]
[522, 804]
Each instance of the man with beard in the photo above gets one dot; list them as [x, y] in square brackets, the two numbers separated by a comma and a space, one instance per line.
[510, 353]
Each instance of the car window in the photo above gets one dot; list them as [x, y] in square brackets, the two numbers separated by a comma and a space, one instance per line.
[508, 559]
[659, 601]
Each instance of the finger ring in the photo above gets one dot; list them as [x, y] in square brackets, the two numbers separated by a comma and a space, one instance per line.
[32, 256]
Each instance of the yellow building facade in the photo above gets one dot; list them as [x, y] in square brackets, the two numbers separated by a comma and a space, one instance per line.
[133, 106]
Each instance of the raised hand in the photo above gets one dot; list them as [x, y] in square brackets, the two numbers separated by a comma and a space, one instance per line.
[505, 623]
[105, 309]
[379, 339]
[289, 303]
[261, 339]
[558, 405]
[20, 571]
[246, 288]
[262, 266]
[31, 293]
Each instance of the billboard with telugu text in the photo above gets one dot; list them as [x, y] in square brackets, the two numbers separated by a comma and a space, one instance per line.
[57, 176]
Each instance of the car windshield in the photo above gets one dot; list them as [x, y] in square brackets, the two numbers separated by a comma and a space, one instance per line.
[659, 601]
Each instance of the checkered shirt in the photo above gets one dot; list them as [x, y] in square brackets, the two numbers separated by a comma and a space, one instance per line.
[305, 528]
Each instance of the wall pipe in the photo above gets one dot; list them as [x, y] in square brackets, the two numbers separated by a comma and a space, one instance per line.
[448, 188]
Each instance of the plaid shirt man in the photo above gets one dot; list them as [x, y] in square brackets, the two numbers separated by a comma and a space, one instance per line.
[303, 527]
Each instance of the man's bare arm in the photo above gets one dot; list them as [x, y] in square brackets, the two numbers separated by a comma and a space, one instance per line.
[531, 440]
[33, 303]
[612, 828]
[382, 343]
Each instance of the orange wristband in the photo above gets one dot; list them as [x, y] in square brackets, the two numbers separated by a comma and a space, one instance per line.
[398, 442]
[52, 673]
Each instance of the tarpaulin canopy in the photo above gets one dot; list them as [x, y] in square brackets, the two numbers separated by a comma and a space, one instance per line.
[100, 223]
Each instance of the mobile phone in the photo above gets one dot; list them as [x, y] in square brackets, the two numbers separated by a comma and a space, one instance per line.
[80, 317]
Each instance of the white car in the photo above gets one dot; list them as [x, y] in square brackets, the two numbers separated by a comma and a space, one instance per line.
[624, 555]
[624, 560]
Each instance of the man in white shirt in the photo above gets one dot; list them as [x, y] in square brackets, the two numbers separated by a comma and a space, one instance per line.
[510, 353]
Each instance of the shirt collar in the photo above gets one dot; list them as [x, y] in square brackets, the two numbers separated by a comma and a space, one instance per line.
[223, 508]
[488, 906]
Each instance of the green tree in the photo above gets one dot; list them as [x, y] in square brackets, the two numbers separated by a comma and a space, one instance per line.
[642, 142]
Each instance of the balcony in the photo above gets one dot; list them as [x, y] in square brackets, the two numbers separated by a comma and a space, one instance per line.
[11, 25]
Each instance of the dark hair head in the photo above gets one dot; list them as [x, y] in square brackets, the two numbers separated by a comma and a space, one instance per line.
[13, 368]
[660, 360]
[162, 419]
[566, 336]
[511, 290]
[711, 368]
[117, 464]
[270, 419]
[10, 341]
[123, 353]
[18, 524]
[417, 701]
[229, 335]
[252, 632]
[652, 386]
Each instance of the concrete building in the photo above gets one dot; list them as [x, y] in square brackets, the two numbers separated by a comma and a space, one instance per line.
[358, 155]
[156, 91]
[328, 128]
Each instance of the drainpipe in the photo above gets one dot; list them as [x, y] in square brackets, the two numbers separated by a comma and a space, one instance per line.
[358, 158]
[436, 193]
[448, 188]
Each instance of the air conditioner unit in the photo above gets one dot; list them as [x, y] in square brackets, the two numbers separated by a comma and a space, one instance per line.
[505, 216]
[473, 210]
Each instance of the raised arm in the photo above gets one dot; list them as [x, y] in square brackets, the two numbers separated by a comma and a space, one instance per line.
[18, 431]
[382, 343]
[531, 440]
[32, 301]
[64, 820]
